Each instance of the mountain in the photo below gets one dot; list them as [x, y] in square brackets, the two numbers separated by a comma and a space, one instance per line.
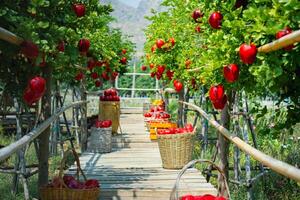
[132, 20]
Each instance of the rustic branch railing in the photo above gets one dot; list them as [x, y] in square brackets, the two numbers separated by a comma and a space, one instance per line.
[274, 164]
[281, 42]
[26, 139]
[10, 37]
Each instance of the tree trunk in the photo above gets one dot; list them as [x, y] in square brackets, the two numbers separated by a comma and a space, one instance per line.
[43, 139]
[224, 152]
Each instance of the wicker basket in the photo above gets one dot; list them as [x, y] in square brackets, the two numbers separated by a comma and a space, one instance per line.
[110, 110]
[100, 140]
[64, 193]
[175, 149]
[174, 194]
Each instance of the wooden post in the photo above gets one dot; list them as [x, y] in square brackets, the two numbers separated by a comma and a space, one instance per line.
[43, 139]
[75, 117]
[204, 130]
[236, 155]
[18, 136]
[83, 119]
[187, 98]
[247, 163]
[224, 152]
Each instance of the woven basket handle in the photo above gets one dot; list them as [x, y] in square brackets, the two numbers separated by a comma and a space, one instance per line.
[174, 193]
[63, 162]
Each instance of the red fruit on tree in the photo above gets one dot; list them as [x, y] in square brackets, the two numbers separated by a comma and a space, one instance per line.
[160, 43]
[38, 85]
[79, 9]
[153, 48]
[83, 45]
[188, 63]
[285, 31]
[220, 104]
[61, 46]
[91, 64]
[105, 76]
[170, 74]
[151, 66]
[197, 14]
[161, 69]
[240, 3]
[172, 41]
[123, 60]
[216, 93]
[99, 63]
[98, 83]
[177, 85]
[94, 75]
[158, 75]
[215, 20]
[143, 68]
[114, 75]
[124, 51]
[248, 53]
[29, 49]
[231, 72]
[29, 96]
[79, 76]
[198, 29]
[152, 74]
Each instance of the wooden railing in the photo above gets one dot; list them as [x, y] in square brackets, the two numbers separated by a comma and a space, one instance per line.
[26, 139]
[274, 164]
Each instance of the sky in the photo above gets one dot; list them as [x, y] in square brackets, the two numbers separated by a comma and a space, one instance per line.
[133, 3]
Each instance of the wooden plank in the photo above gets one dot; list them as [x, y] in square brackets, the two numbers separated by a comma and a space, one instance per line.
[145, 192]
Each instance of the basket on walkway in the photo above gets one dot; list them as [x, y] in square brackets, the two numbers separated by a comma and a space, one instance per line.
[175, 149]
[100, 140]
[110, 110]
[174, 194]
[65, 193]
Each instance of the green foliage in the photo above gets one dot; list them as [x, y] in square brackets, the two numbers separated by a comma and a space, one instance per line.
[47, 23]
[272, 74]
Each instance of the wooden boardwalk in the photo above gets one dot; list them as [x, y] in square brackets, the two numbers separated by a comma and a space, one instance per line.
[134, 170]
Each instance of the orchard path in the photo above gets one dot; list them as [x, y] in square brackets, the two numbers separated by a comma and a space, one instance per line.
[134, 170]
